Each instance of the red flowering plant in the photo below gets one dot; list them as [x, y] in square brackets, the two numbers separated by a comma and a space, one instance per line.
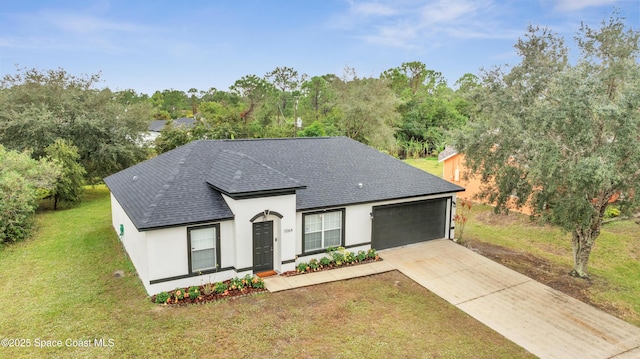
[462, 211]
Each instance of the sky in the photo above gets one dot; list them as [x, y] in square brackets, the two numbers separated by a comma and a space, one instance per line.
[152, 46]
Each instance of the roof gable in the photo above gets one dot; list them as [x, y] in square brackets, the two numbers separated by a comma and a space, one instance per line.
[448, 152]
[238, 175]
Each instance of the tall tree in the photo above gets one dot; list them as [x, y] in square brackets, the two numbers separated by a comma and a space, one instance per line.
[68, 185]
[287, 81]
[562, 138]
[428, 108]
[253, 90]
[42, 106]
[409, 76]
[428, 117]
[193, 98]
[175, 102]
[367, 110]
[318, 96]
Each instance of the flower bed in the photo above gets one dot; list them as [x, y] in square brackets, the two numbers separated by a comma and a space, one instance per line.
[232, 288]
[337, 257]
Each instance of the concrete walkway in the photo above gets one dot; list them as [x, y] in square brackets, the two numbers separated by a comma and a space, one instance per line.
[278, 283]
[542, 320]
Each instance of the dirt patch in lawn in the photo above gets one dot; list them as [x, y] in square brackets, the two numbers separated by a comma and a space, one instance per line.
[489, 217]
[503, 219]
[543, 271]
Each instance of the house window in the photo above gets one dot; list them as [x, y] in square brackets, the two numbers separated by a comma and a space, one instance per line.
[204, 246]
[322, 230]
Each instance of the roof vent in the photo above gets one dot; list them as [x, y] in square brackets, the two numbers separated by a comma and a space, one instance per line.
[360, 185]
[135, 178]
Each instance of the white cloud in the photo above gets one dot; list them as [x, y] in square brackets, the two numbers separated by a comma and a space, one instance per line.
[72, 31]
[444, 11]
[396, 35]
[412, 23]
[373, 9]
[81, 23]
[573, 5]
[464, 32]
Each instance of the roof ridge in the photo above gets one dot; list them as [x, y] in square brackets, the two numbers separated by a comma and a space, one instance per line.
[277, 139]
[167, 184]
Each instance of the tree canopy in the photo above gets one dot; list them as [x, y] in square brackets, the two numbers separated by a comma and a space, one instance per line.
[68, 186]
[406, 112]
[559, 137]
[21, 181]
[42, 106]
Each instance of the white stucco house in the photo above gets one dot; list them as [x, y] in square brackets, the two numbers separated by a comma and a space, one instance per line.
[213, 210]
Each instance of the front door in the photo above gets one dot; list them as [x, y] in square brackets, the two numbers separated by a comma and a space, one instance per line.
[262, 246]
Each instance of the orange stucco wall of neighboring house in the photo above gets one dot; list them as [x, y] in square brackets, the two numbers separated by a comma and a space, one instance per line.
[454, 170]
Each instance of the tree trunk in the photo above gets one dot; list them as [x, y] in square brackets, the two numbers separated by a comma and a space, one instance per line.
[582, 242]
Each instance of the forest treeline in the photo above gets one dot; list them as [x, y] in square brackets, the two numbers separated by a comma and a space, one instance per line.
[405, 112]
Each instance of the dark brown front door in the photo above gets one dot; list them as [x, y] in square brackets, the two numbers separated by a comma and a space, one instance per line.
[262, 246]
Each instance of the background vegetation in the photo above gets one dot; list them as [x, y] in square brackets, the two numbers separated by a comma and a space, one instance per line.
[405, 112]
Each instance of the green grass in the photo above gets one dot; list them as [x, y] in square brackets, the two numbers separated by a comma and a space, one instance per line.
[59, 285]
[429, 164]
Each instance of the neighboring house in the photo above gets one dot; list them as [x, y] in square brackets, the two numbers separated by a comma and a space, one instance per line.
[156, 126]
[213, 210]
[453, 170]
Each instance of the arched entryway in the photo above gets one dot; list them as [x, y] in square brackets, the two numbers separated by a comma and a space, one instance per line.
[266, 225]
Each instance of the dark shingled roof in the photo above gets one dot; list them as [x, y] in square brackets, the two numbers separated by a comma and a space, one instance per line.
[184, 122]
[236, 174]
[183, 186]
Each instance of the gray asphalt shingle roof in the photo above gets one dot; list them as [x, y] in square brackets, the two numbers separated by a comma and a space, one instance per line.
[446, 153]
[184, 122]
[238, 174]
[179, 187]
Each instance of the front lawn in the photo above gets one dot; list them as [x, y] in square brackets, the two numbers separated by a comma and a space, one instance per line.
[428, 164]
[58, 289]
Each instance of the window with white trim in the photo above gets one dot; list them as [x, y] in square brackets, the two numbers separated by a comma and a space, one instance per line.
[203, 246]
[322, 230]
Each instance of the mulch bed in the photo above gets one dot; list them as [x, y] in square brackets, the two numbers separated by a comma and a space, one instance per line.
[247, 291]
[212, 296]
[202, 299]
[329, 267]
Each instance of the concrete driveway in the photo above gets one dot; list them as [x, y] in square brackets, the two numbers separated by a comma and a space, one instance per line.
[544, 321]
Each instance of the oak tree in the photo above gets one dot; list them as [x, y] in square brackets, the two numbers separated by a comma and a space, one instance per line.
[561, 138]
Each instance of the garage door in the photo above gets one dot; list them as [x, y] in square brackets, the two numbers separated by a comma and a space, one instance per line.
[406, 223]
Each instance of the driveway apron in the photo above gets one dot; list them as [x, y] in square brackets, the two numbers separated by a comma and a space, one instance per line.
[544, 321]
